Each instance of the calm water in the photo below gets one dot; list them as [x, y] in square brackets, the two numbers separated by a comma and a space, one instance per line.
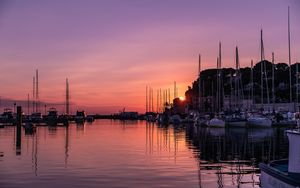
[137, 154]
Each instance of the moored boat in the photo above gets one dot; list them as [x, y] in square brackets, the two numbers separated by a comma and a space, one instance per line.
[259, 121]
[284, 173]
[216, 122]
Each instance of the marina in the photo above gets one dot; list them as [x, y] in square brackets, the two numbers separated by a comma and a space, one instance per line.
[151, 94]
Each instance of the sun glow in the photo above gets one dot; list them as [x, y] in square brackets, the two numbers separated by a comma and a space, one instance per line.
[182, 98]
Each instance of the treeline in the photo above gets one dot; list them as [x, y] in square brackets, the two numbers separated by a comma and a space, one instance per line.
[208, 82]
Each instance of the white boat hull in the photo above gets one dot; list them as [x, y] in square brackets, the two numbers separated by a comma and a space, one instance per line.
[259, 122]
[215, 122]
[268, 181]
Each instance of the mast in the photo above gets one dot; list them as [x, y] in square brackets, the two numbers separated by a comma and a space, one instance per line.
[28, 104]
[169, 96]
[261, 69]
[33, 95]
[152, 100]
[175, 95]
[160, 104]
[157, 101]
[37, 90]
[219, 65]
[289, 43]
[236, 83]
[146, 98]
[199, 83]
[273, 82]
[297, 84]
[252, 84]
[67, 97]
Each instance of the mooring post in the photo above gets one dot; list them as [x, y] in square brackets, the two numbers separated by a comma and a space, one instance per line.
[19, 125]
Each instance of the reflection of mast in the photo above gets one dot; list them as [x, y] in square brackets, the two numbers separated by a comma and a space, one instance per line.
[66, 146]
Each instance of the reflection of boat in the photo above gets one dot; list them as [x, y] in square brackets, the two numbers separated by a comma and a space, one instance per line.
[284, 173]
[29, 127]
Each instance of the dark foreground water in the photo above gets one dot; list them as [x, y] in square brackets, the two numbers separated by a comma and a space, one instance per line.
[137, 154]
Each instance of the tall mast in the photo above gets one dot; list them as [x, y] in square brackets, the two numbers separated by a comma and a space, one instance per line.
[252, 84]
[289, 42]
[199, 82]
[169, 96]
[157, 101]
[261, 70]
[175, 90]
[33, 95]
[236, 83]
[160, 102]
[28, 104]
[273, 82]
[219, 77]
[67, 97]
[217, 93]
[37, 90]
[152, 100]
[149, 99]
[297, 83]
[146, 98]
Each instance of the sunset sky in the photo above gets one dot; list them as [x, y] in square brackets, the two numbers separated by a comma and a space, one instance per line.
[111, 49]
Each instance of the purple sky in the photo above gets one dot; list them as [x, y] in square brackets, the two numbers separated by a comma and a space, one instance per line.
[111, 49]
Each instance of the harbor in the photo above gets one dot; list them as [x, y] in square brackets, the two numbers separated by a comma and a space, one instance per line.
[150, 94]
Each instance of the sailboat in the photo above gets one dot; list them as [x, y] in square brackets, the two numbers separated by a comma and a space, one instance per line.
[258, 120]
[237, 118]
[217, 121]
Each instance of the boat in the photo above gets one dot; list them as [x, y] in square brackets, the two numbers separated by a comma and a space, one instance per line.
[80, 116]
[175, 119]
[259, 121]
[216, 122]
[90, 118]
[36, 117]
[7, 116]
[284, 173]
[284, 119]
[236, 120]
[52, 117]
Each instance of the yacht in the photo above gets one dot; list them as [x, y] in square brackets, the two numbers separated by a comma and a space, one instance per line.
[284, 173]
[216, 122]
[259, 121]
[80, 116]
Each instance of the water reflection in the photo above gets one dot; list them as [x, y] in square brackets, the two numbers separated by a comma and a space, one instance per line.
[139, 154]
[234, 153]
